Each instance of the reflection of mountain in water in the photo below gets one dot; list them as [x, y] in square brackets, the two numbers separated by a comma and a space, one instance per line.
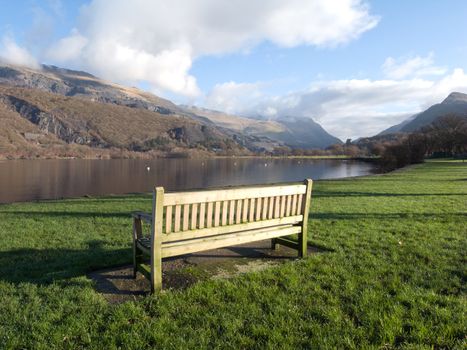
[46, 179]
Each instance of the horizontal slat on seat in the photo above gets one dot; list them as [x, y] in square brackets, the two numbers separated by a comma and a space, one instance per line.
[207, 232]
[225, 240]
[179, 198]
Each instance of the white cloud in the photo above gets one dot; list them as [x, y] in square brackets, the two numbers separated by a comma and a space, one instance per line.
[346, 108]
[157, 41]
[12, 53]
[229, 96]
[67, 49]
[414, 66]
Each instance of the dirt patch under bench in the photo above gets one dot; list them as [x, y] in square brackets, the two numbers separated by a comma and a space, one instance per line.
[117, 284]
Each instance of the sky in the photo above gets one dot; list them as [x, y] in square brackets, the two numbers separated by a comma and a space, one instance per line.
[354, 66]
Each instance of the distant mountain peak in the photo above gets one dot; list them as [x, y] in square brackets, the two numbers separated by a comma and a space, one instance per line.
[454, 104]
[455, 97]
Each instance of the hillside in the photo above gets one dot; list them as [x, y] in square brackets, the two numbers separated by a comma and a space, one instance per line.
[294, 132]
[398, 127]
[38, 121]
[185, 127]
[455, 103]
[81, 84]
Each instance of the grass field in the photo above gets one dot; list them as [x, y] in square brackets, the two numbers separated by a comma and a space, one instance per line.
[392, 275]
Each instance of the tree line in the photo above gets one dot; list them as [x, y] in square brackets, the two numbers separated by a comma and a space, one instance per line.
[445, 137]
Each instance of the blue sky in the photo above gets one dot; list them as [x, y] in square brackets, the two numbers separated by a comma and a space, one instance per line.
[356, 68]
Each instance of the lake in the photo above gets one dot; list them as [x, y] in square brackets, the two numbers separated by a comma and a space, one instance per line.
[28, 180]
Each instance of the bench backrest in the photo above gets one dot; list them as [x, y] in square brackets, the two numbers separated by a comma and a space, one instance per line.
[193, 214]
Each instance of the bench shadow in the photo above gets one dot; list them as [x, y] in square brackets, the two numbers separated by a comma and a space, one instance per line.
[43, 266]
[117, 284]
[112, 274]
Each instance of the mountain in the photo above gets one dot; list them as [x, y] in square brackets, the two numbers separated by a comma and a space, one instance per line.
[305, 133]
[455, 103]
[39, 122]
[294, 132]
[55, 107]
[81, 84]
[398, 127]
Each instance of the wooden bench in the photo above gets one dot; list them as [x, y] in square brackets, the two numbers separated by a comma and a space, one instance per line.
[193, 221]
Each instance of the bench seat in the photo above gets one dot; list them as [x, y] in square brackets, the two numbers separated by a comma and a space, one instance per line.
[188, 246]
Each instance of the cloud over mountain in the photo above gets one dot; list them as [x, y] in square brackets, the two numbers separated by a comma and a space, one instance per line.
[346, 107]
[157, 41]
[12, 53]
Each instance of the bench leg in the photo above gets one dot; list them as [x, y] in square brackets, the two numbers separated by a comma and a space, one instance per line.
[302, 245]
[274, 244]
[137, 254]
[137, 259]
[156, 240]
[303, 236]
[156, 272]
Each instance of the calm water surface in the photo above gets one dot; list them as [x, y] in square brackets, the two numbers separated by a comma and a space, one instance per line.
[27, 180]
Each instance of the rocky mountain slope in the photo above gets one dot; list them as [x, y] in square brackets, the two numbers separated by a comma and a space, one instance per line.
[455, 103]
[294, 132]
[81, 84]
[76, 108]
[39, 120]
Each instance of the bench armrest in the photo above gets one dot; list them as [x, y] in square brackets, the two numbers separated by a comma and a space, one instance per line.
[147, 217]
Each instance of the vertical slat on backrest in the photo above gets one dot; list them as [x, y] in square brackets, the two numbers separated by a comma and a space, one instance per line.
[288, 207]
[209, 215]
[283, 203]
[202, 214]
[245, 205]
[258, 209]
[231, 212]
[168, 219]
[299, 204]
[194, 216]
[186, 217]
[271, 208]
[264, 211]
[251, 210]
[225, 206]
[277, 207]
[217, 213]
[294, 204]
[178, 211]
[238, 213]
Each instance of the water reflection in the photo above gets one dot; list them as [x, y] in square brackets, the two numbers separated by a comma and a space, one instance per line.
[48, 179]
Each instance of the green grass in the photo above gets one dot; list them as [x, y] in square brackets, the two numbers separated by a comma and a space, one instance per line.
[393, 275]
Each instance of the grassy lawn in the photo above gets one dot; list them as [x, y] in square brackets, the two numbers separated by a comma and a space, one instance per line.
[393, 275]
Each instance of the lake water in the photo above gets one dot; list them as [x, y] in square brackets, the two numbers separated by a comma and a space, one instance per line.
[27, 180]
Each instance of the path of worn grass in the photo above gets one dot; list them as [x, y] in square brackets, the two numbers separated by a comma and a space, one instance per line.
[395, 277]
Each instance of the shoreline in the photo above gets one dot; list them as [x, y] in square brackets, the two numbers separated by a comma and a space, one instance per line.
[330, 157]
